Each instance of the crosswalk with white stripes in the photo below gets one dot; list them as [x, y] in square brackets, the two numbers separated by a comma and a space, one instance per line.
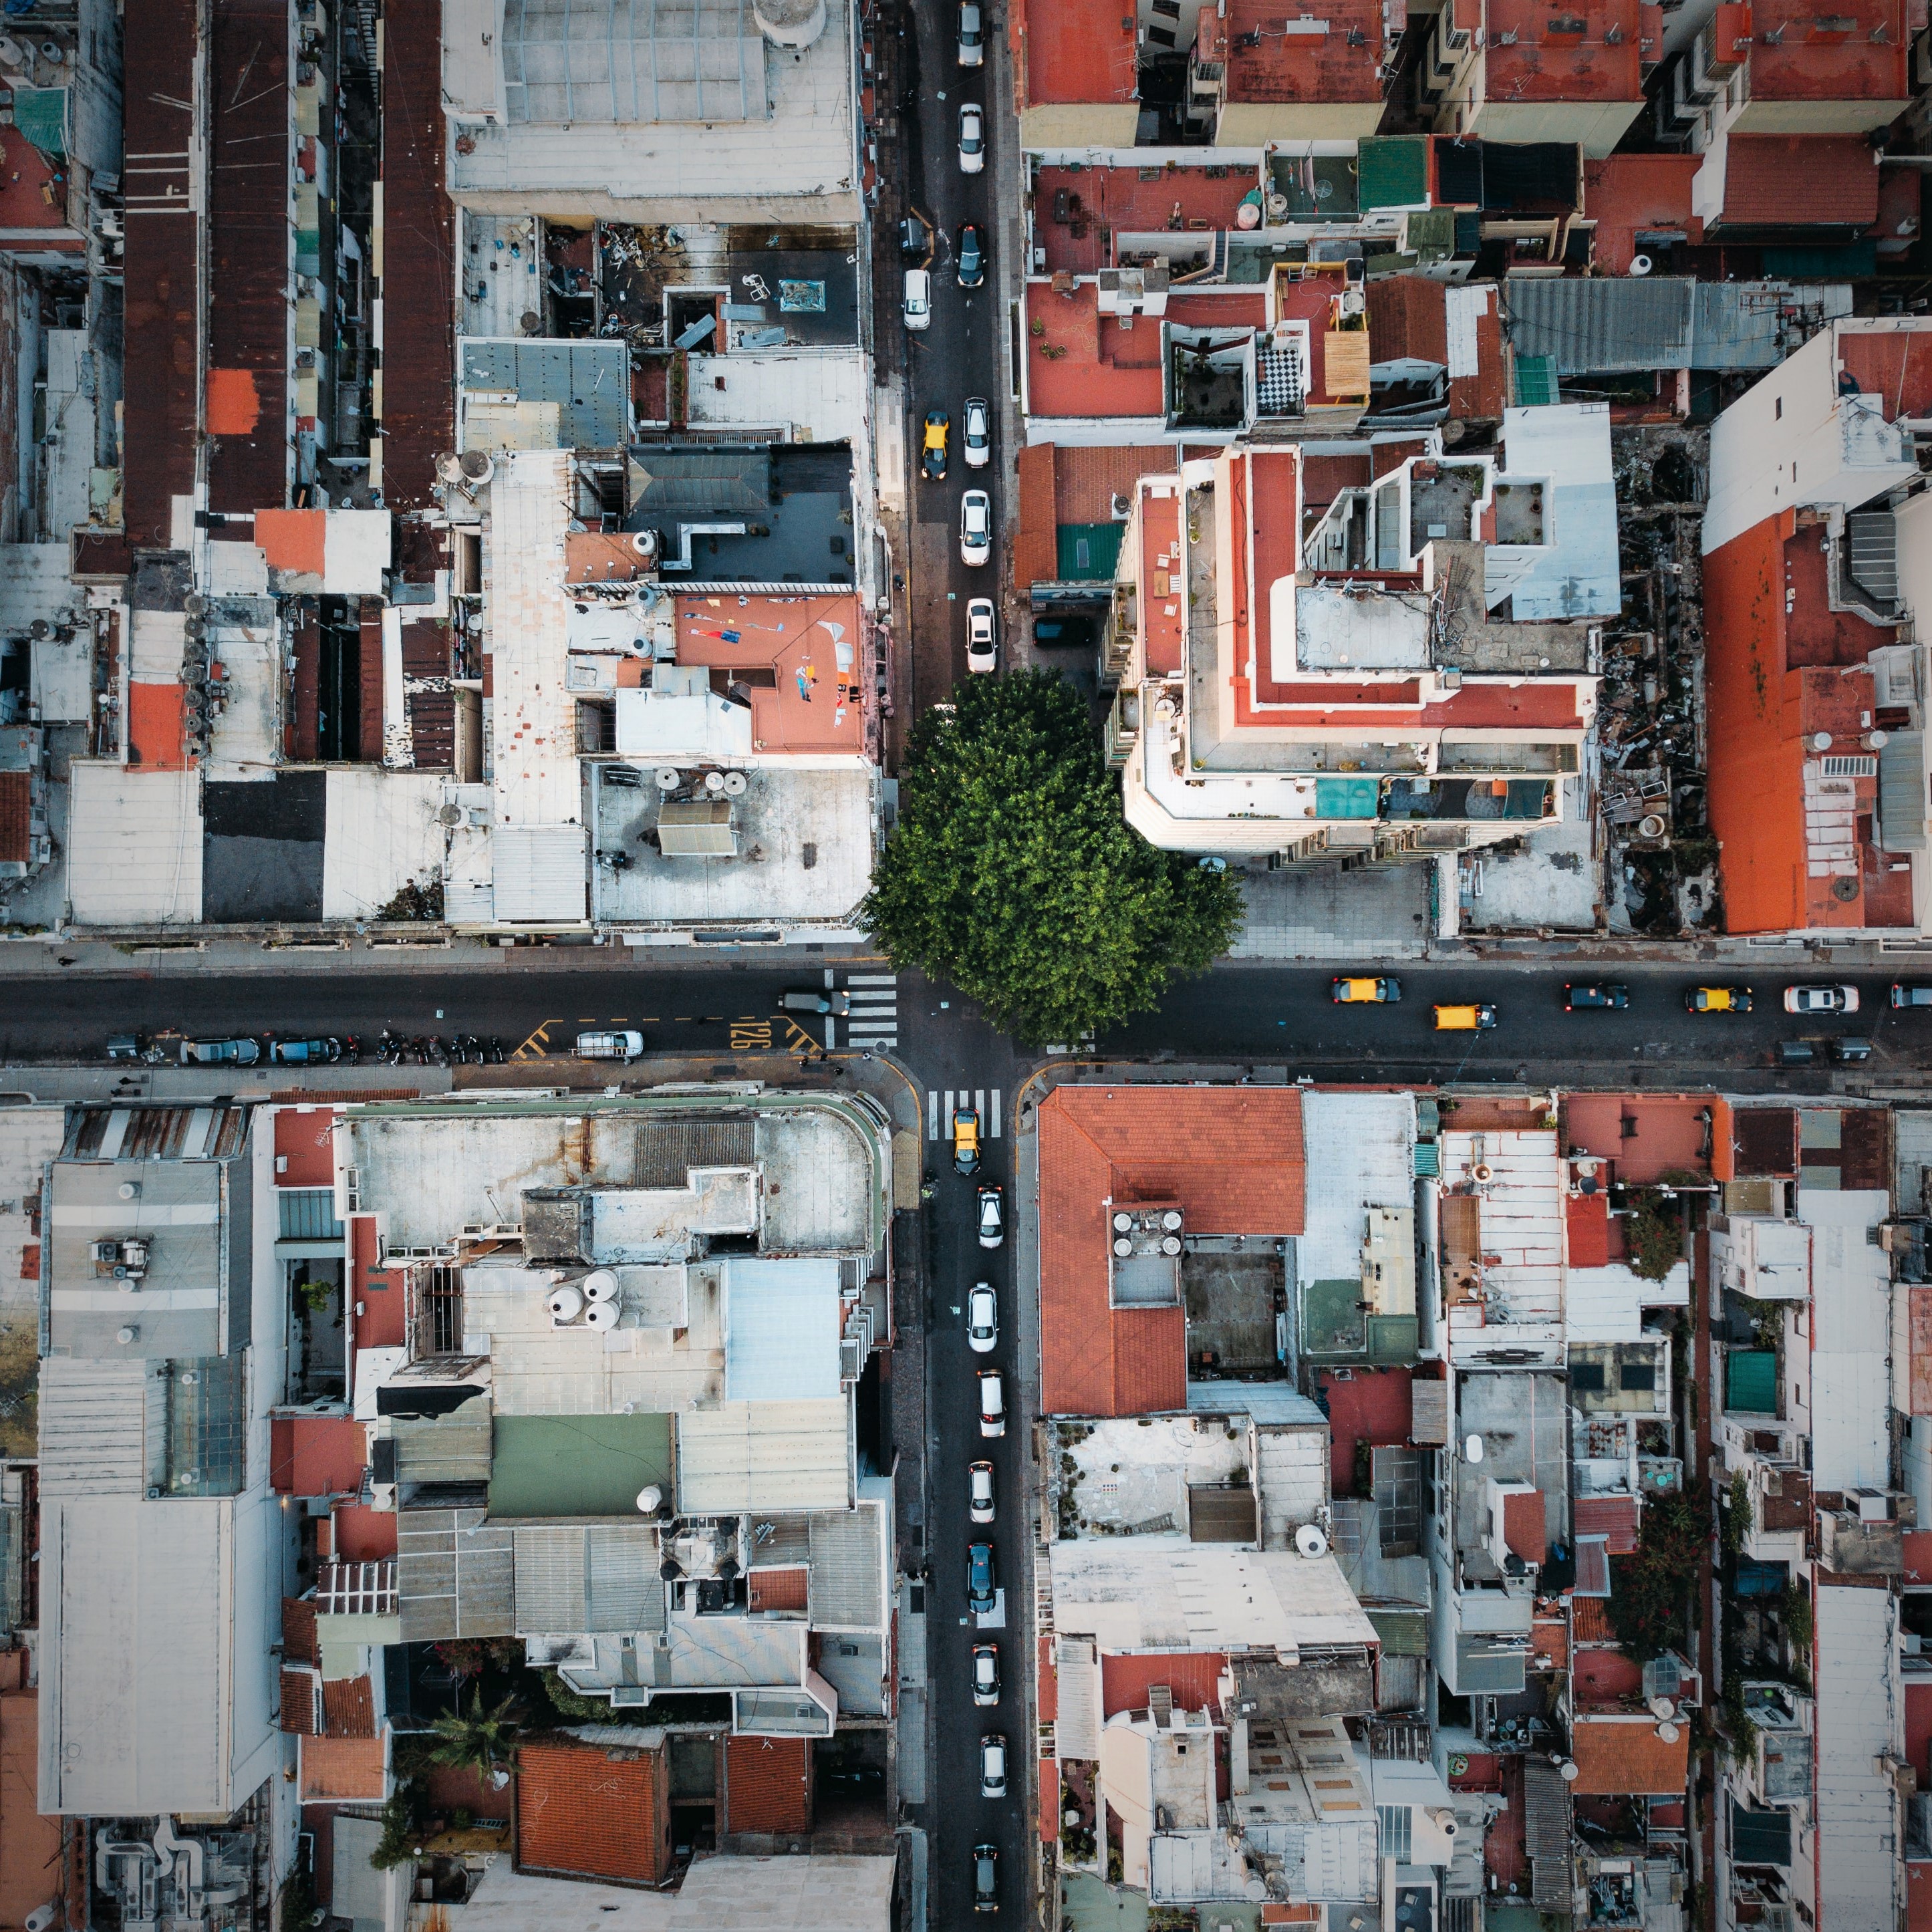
[873, 1018]
[984, 1101]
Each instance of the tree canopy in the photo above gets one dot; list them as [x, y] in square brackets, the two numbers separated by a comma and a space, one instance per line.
[1013, 875]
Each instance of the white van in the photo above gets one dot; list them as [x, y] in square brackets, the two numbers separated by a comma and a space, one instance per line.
[918, 298]
[628, 1044]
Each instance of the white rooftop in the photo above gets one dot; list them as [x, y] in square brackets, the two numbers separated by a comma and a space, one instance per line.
[795, 1455]
[1361, 1154]
[782, 1323]
[1851, 1345]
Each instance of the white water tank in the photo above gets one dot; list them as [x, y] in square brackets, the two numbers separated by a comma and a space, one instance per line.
[650, 1499]
[795, 24]
[600, 1284]
[566, 1304]
[602, 1316]
[1472, 1449]
[1310, 1541]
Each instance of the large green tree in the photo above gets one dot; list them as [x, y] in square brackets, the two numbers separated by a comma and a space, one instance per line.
[1013, 876]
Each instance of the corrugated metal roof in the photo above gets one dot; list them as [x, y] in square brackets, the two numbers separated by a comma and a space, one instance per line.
[1859, 1710]
[451, 1448]
[455, 1575]
[1851, 1377]
[764, 1456]
[540, 877]
[1600, 326]
[848, 1584]
[782, 1325]
[572, 1577]
[1546, 1803]
[589, 380]
[101, 1425]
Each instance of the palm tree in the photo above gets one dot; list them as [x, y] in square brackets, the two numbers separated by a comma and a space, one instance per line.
[483, 1742]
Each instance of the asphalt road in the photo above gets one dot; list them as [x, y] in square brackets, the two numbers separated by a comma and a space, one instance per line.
[957, 356]
[1272, 1014]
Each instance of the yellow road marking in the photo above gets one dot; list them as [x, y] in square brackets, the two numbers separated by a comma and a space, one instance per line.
[537, 1047]
[750, 1035]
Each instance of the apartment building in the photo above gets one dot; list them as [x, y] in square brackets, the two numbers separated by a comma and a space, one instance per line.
[1818, 776]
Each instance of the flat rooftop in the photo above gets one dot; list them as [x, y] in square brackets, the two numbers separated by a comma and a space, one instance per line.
[1524, 1421]
[1334, 59]
[797, 661]
[805, 837]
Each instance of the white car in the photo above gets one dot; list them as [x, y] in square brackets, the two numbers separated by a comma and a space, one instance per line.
[983, 1319]
[985, 1674]
[992, 1766]
[976, 443]
[972, 138]
[992, 1215]
[979, 1492]
[918, 298]
[972, 35]
[982, 652]
[975, 528]
[1821, 999]
[992, 1402]
[626, 1044]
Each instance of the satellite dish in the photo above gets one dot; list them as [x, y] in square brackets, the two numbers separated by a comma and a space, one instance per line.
[1483, 1172]
[1472, 1449]
[714, 781]
[1567, 1771]
[668, 779]
[478, 466]
[1640, 264]
[1122, 1222]
[1310, 1541]
[1662, 1709]
[1124, 1247]
[1667, 1733]
[449, 467]
[735, 784]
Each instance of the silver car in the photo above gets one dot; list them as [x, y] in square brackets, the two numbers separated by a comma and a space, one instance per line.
[972, 138]
[975, 528]
[975, 442]
[972, 35]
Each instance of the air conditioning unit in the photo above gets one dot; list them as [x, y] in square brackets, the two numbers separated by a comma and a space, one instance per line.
[1123, 508]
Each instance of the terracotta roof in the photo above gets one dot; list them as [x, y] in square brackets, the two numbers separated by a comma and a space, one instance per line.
[344, 1770]
[299, 1715]
[584, 1811]
[1036, 538]
[1075, 50]
[1616, 1756]
[1590, 1620]
[1523, 1530]
[1191, 1674]
[1049, 1802]
[1230, 1157]
[768, 1784]
[16, 793]
[1047, 1700]
[298, 1642]
[1086, 481]
[316, 1455]
[1587, 1219]
[1550, 1643]
[1799, 180]
[349, 1707]
[785, 1589]
[1611, 1517]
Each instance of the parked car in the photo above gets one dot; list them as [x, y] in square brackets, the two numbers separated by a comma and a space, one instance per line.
[975, 528]
[980, 1491]
[932, 452]
[1357, 992]
[305, 1052]
[985, 1674]
[1850, 1050]
[992, 1215]
[1912, 996]
[810, 1000]
[983, 1319]
[969, 257]
[624, 1043]
[965, 1141]
[1827, 999]
[918, 298]
[985, 1878]
[1717, 1000]
[976, 435]
[982, 649]
[1465, 1019]
[972, 137]
[1596, 994]
[1063, 633]
[981, 1587]
[220, 1052]
[992, 1766]
[972, 35]
[992, 1402]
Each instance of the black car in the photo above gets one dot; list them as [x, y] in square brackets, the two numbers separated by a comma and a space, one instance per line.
[1598, 995]
[985, 1878]
[1063, 633]
[971, 257]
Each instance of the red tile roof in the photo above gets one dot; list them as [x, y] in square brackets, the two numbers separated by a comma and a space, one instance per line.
[1075, 50]
[586, 1812]
[1531, 56]
[1587, 1216]
[1191, 1674]
[345, 1770]
[16, 817]
[1049, 1802]
[1861, 52]
[1086, 479]
[1523, 1525]
[1616, 1756]
[780, 1589]
[1341, 64]
[1162, 575]
[1590, 1620]
[1036, 538]
[305, 1139]
[1613, 1517]
[1231, 1157]
[299, 1637]
[316, 1455]
[349, 1707]
[300, 1715]
[768, 1784]
[1048, 1696]
[1799, 180]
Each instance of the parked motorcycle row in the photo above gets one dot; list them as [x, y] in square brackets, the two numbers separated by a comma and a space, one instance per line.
[392, 1049]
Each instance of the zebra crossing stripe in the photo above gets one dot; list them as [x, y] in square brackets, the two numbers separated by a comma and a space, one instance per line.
[932, 1113]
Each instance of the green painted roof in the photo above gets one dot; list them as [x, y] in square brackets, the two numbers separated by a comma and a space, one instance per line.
[1393, 172]
[568, 1466]
[1346, 798]
[1536, 385]
[1750, 1381]
[1089, 551]
[1403, 1633]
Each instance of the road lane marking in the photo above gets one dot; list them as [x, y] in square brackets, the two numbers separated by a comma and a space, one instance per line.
[932, 1114]
[751, 1035]
[537, 1046]
[995, 1133]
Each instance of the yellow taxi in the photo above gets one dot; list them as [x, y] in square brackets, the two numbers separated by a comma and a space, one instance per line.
[1718, 999]
[1359, 992]
[1477, 1018]
[965, 1141]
